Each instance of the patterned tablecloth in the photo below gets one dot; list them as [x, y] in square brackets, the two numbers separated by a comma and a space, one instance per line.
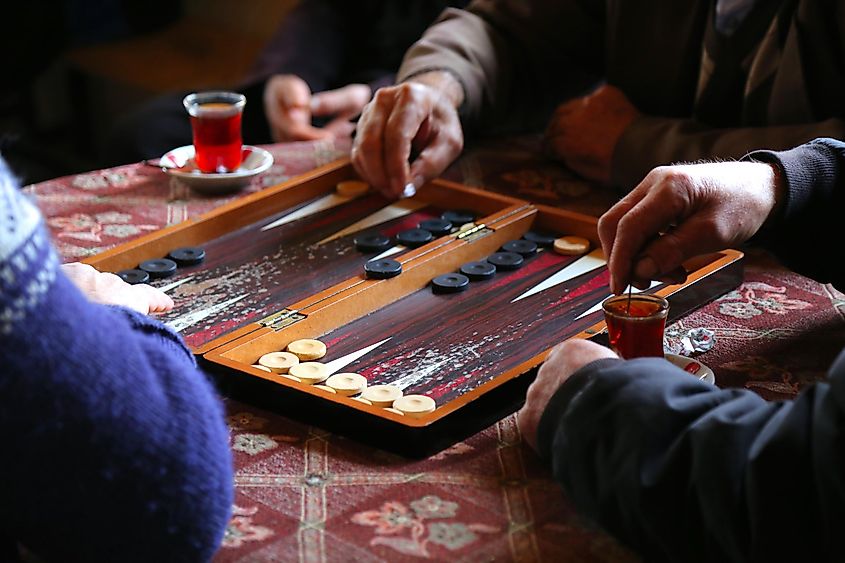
[303, 494]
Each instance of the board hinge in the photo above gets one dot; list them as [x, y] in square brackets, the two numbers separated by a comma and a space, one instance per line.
[475, 232]
[282, 319]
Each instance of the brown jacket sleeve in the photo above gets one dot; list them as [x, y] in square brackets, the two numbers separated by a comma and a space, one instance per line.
[512, 54]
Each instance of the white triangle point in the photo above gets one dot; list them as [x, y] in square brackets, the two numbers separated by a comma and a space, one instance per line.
[587, 263]
[335, 366]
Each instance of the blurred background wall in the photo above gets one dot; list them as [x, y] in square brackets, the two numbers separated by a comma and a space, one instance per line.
[70, 67]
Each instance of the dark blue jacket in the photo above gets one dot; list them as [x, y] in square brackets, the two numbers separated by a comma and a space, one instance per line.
[684, 471]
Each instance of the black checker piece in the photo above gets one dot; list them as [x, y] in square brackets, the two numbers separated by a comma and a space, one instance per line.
[372, 243]
[542, 239]
[482, 270]
[158, 268]
[525, 248]
[506, 260]
[382, 269]
[458, 216]
[134, 277]
[437, 227]
[412, 238]
[187, 256]
[450, 283]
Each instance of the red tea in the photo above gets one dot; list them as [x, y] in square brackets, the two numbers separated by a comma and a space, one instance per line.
[635, 326]
[217, 137]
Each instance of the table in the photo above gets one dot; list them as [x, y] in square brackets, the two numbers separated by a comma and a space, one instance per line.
[303, 494]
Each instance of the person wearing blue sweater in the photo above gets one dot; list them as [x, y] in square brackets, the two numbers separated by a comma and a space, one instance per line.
[114, 443]
[676, 468]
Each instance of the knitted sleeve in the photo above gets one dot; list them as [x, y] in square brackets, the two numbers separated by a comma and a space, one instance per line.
[114, 444]
[806, 233]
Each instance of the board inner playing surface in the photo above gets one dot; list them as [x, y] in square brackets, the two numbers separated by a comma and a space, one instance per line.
[445, 345]
[251, 273]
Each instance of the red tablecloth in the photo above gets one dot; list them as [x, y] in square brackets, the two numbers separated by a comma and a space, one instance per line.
[303, 494]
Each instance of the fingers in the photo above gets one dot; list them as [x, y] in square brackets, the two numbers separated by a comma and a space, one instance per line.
[367, 150]
[667, 199]
[346, 101]
[619, 249]
[435, 157]
[295, 125]
[287, 101]
[564, 360]
[157, 300]
[396, 118]
[663, 257]
[607, 229]
[340, 127]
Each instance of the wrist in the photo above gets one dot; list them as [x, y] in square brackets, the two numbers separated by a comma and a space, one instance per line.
[775, 182]
[444, 82]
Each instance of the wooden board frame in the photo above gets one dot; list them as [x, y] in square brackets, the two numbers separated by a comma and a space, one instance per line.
[230, 356]
[260, 205]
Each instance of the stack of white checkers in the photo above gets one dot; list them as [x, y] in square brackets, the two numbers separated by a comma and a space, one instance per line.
[297, 364]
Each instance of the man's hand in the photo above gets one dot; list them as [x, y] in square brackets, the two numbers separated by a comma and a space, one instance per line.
[583, 132]
[418, 117]
[289, 106]
[341, 105]
[108, 289]
[564, 360]
[678, 212]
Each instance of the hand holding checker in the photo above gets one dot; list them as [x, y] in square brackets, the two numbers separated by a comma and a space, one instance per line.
[678, 212]
[418, 116]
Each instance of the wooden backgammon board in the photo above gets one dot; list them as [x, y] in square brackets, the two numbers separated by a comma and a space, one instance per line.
[281, 266]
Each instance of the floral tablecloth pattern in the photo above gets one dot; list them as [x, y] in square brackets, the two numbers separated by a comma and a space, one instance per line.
[303, 494]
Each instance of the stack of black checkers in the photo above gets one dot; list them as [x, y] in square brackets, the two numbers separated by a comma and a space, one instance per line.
[426, 231]
[163, 267]
[511, 256]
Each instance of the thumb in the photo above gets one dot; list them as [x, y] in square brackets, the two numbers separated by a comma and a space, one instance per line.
[349, 100]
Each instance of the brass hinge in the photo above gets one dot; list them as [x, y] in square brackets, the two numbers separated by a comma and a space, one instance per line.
[473, 233]
[283, 318]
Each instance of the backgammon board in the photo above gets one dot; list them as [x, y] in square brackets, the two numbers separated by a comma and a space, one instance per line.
[282, 266]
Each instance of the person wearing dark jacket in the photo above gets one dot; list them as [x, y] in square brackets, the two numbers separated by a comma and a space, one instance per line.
[320, 68]
[676, 468]
[114, 443]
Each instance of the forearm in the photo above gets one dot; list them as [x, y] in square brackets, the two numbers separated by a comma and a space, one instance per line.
[684, 471]
[656, 141]
[138, 431]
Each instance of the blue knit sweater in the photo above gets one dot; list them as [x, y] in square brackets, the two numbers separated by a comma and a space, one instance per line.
[113, 443]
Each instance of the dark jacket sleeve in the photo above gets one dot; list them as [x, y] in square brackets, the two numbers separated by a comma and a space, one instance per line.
[309, 43]
[114, 444]
[808, 223]
[684, 471]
